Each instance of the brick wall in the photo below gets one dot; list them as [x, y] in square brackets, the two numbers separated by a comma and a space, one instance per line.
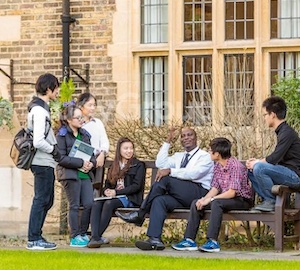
[39, 48]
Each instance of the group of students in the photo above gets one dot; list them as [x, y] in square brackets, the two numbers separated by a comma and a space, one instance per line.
[193, 178]
[77, 122]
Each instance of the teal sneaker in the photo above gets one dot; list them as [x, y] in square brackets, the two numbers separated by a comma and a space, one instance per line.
[78, 242]
[85, 238]
[210, 246]
[185, 244]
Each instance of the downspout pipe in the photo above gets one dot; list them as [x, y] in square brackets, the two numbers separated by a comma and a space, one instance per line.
[66, 21]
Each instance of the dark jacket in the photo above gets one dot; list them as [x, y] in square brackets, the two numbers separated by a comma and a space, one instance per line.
[134, 182]
[67, 168]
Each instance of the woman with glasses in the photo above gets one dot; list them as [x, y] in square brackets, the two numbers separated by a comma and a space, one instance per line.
[124, 187]
[75, 174]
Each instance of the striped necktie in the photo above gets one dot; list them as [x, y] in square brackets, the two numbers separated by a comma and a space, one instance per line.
[185, 161]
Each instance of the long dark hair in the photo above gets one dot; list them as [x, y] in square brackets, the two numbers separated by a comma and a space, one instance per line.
[115, 172]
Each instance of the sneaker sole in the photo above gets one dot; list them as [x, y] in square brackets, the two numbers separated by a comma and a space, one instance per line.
[264, 209]
[185, 248]
[40, 248]
[94, 245]
[209, 250]
[79, 246]
[147, 246]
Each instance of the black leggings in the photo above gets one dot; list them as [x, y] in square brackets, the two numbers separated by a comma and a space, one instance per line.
[102, 212]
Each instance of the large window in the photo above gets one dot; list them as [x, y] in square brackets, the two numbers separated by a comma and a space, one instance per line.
[197, 94]
[238, 88]
[284, 64]
[285, 18]
[197, 20]
[154, 21]
[239, 19]
[154, 90]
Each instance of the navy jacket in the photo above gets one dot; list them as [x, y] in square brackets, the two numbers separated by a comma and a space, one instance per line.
[134, 182]
[67, 168]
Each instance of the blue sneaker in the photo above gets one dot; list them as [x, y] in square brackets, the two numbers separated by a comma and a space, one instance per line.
[186, 244]
[41, 244]
[78, 242]
[210, 246]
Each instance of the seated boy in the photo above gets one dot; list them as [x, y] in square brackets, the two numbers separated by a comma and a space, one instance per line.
[230, 190]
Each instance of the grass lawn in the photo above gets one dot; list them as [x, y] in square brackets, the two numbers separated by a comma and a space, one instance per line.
[75, 260]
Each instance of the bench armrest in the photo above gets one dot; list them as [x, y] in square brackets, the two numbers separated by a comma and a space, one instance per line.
[279, 190]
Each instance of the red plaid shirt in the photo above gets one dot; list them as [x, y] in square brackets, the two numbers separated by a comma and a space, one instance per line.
[232, 176]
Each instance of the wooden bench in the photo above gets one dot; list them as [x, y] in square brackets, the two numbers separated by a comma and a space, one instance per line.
[275, 219]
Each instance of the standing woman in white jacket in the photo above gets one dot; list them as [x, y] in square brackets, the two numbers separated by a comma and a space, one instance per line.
[99, 140]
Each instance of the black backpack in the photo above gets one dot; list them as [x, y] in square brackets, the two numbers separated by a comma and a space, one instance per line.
[22, 150]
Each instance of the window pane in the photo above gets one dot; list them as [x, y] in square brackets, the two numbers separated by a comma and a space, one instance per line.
[250, 30]
[154, 90]
[239, 88]
[154, 21]
[285, 18]
[229, 30]
[197, 89]
[229, 11]
[239, 19]
[240, 30]
[197, 16]
[208, 32]
[240, 11]
[284, 64]
[249, 10]
[188, 32]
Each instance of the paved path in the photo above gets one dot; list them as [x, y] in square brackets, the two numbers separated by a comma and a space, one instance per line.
[223, 254]
[226, 254]
[245, 255]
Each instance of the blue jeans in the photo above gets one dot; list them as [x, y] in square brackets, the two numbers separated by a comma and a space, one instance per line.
[265, 175]
[79, 193]
[42, 200]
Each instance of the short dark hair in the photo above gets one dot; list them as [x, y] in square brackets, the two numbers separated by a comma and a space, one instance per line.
[84, 98]
[276, 105]
[222, 146]
[45, 82]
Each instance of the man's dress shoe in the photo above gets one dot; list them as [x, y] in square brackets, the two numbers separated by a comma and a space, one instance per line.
[132, 217]
[153, 243]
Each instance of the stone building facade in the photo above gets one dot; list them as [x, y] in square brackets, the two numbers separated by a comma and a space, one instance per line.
[35, 46]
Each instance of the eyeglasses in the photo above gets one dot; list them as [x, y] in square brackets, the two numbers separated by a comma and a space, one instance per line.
[78, 117]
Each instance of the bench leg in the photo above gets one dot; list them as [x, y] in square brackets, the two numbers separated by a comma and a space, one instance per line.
[279, 227]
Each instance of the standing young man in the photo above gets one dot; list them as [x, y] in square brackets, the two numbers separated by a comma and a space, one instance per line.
[282, 167]
[181, 178]
[44, 161]
[230, 190]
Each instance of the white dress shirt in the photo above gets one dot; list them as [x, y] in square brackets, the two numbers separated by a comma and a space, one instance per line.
[199, 168]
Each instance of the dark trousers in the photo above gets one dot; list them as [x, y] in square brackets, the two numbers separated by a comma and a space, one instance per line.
[218, 207]
[42, 200]
[79, 193]
[102, 212]
[166, 195]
